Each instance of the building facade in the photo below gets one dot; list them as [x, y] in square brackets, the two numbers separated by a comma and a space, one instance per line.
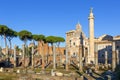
[77, 43]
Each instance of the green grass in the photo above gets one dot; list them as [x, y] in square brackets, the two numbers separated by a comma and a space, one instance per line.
[37, 70]
[9, 76]
[38, 79]
[65, 72]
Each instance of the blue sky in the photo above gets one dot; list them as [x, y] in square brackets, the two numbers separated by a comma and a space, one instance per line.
[56, 17]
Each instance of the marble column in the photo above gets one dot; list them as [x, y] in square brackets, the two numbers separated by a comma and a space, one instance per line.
[117, 55]
[113, 57]
[23, 54]
[60, 58]
[15, 56]
[32, 56]
[66, 60]
[54, 57]
[96, 56]
[91, 37]
[106, 58]
[80, 58]
[43, 58]
[7, 55]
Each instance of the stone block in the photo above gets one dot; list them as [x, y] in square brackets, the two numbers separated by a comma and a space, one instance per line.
[68, 75]
[1, 69]
[59, 74]
[30, 71]
[18, 71]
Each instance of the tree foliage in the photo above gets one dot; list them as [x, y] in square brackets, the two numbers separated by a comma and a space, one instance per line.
[54, 39]
[3, 29]
[38, 37]
[25, 35]
[10, 35]
[59, 40]
[3, 32]
[51, 39]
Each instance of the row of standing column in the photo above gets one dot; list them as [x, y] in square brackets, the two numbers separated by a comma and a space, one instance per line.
[115, 57]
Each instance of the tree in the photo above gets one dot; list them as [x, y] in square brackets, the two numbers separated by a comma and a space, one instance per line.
[58, 41]
[10, 35]
[25, 35]
[52, 40]
[41, 40]
[38, 37]
[3, 32]
[35, 37]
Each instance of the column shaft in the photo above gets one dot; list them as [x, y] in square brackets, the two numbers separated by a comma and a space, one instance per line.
[32, 57]
[15, 56]
[117, 53]
[113, 57]
[54, 57]
[66, 60]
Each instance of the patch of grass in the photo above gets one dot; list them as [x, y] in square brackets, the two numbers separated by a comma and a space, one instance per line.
[37, 70]
[65, 72]
[7, 76]
[59, 67]
[38, 79]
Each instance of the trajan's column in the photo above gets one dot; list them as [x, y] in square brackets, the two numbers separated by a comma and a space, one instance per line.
[91, 37]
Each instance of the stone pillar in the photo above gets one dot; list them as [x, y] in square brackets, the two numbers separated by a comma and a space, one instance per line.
[60, 58]
[113, 57]
[23, 49]
[32, 56]
[66, 60]
[7, 55]
[69, 58]
[96, 56]
[117, 55]
[91, 37]
[80, 58]
[15, 56]
[54, 57]
[6, 51]
[43, 62]
[106, 58]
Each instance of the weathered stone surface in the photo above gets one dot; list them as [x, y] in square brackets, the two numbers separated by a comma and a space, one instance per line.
[1, 69]
[18, 71]
[58, 74]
